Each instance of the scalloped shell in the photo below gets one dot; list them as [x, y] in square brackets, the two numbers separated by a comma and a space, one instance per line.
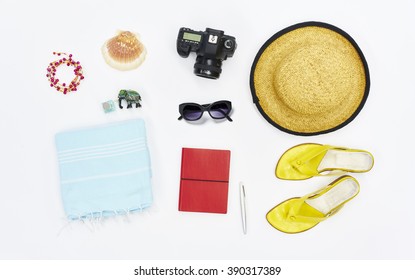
[124, 51]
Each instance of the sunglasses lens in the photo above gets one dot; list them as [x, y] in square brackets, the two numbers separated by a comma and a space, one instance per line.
[219, 110]
[192, 112]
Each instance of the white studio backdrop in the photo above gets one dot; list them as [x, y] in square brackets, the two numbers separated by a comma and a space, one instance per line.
[377, 224]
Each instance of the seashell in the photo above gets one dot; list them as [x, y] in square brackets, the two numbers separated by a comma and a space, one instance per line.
[124, 51]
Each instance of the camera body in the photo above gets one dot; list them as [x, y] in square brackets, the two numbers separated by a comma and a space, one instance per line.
[211, 46]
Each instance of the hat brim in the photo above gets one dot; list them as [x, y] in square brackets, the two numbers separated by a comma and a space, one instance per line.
[310, 78]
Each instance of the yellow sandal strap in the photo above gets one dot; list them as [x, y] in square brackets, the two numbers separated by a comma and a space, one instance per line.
[293, 212]
[302, 163]
[309, 219]
[305, 165]
[305, 219]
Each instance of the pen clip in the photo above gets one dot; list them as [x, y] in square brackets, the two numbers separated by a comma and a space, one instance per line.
[242, 197]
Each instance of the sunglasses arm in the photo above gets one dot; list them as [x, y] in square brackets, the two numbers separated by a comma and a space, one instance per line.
[226, 115]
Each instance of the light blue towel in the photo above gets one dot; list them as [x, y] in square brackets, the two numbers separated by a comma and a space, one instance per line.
[105, 170]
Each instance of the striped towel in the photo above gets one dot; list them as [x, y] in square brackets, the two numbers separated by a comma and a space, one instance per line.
[104, 171]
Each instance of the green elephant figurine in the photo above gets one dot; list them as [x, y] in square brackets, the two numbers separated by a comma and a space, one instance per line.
[131, 96]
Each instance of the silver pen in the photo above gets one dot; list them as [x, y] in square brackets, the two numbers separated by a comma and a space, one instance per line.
[242, 197]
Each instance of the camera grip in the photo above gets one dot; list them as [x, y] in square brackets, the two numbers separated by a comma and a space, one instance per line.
[183, 50]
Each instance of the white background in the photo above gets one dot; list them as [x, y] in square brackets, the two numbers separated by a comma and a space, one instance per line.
[378, 224]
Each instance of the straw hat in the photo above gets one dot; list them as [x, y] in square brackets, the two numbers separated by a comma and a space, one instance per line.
[310, 78]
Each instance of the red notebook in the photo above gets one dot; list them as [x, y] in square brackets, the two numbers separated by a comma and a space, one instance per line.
[204, 180]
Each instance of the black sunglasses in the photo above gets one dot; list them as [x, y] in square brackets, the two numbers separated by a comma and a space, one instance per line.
[217, 110]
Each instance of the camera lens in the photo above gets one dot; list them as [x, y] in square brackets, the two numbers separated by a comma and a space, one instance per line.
[208, 67]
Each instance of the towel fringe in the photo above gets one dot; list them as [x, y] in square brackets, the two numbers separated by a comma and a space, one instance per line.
[92, 221]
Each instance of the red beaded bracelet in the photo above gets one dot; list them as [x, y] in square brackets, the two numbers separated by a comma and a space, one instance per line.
[51, 75]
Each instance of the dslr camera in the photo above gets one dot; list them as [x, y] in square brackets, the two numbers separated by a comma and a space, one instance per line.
[211, 46]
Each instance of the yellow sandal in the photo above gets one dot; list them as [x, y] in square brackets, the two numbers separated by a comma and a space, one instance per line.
[299, 214]
[308, 160]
